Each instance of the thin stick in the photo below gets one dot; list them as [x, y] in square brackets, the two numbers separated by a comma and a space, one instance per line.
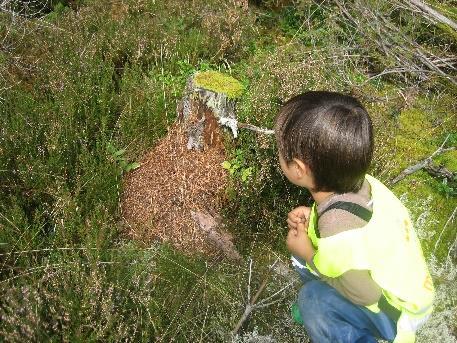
[396, 71]
[251, 305]
[423, 163]
[249, 280]
[264, 301]
[451, 218]
[448, 257]
[256, 128]
[433, 13]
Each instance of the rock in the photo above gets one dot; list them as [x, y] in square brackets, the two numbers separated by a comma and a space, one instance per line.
[211, 226]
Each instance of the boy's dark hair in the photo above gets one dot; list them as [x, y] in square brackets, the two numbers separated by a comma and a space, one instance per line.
[330, 132]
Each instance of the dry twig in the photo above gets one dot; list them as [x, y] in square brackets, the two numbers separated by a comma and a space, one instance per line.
[426, 162]
[256, 128]
[451, 218]
[433, 14]
[252, 303]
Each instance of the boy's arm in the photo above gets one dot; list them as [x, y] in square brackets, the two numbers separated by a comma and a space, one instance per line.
[355, 285]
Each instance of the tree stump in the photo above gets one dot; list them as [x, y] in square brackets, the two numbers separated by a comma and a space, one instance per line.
[178, 191]
[208, 103]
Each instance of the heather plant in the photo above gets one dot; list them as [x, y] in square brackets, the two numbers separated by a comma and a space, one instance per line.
[130, 294]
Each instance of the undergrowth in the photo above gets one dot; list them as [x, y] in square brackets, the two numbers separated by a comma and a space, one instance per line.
[83, 80]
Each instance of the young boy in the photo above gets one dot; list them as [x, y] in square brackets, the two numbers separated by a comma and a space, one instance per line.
[356, 251]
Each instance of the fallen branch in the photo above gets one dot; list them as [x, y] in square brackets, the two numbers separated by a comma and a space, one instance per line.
[234, 125]
[418, 51]
[407, 56]
[252, 303]
[426, 162]
[433, 13]
[440, 171]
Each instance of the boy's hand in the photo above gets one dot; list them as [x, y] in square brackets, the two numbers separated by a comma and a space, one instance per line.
[298, 242]
[298, 215]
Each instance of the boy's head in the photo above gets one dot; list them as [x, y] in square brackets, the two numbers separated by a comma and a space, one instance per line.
[331, 134]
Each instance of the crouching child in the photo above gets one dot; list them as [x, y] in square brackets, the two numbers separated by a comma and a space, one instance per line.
[355, 249]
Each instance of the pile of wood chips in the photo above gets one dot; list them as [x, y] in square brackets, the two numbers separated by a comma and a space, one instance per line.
[161, 197]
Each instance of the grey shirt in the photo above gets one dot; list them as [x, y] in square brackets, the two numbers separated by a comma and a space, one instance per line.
[355, 285]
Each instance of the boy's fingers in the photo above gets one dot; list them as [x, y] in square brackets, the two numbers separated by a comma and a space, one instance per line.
[291, 223]
[295, 219]
[302, 227]
[301, 212]
[296, 213]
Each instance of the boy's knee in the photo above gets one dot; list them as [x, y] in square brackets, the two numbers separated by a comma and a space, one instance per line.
[316, 297]
[308, 297]
[311, 290]
[309, 302]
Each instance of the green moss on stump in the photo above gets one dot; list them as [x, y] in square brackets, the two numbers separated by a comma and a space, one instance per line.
[220, 83]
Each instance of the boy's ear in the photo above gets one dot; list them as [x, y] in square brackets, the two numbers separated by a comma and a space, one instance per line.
[301, 168]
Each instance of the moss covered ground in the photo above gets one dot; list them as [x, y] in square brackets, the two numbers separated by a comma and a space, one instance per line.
[88, 87]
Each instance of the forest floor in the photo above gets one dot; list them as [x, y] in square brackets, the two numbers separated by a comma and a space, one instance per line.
[89, 88]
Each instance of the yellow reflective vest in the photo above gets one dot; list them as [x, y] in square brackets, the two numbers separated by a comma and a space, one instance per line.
[388, 247]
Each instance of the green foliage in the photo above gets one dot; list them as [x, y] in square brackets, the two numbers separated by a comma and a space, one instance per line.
[452, 140]
[58, 10]
[131, 294]
[305, 22]
[236, 166]
[118, 156]
[448, 189]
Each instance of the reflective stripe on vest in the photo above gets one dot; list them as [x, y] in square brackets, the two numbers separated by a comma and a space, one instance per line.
[387, 246]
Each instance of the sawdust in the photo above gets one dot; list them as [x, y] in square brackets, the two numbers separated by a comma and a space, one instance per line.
[171, 183]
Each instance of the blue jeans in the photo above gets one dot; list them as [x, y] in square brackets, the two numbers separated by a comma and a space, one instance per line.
[329, 317]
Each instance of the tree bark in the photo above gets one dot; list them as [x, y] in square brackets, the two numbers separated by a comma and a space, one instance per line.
[200, 111]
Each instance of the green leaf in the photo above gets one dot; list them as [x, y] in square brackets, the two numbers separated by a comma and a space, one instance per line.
[119, 152]
[111, 149]
[132, 166]
[226, 165]
[123, 164]
[246, 173]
